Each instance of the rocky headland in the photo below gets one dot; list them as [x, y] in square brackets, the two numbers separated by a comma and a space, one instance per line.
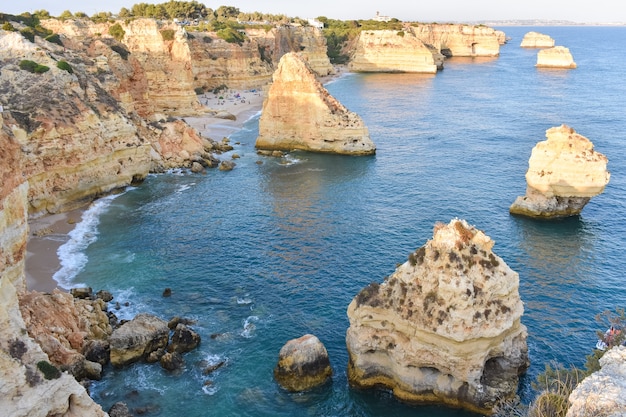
[459, 40]
[536, 40]
[558, 57]
[300, 114]
[564, 173]
[444, 328]
[392, 51]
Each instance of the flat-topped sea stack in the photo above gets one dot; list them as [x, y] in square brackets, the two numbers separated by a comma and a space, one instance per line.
[300, 114]
[444, 328]
[537, 40]
[391, 51]
[564, 172]
[456, 40]
[557, 57]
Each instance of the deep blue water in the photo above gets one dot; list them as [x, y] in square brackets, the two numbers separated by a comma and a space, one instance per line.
[268, 252]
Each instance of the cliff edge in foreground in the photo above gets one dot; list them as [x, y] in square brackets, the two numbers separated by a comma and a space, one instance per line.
[444, 328]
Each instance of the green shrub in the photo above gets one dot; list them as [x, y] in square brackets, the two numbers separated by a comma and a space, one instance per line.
[28, 33]
[54, 38]
[168, 34]
[48, 370]
[117, 31]
[8, 27]
[199, 90]
[65, 66]
[400, 33]
[231, 35]
[32, 66]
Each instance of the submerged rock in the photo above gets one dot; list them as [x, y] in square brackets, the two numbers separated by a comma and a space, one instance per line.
[302, 364]
[444, 328]
[564, 172]
[300, 114]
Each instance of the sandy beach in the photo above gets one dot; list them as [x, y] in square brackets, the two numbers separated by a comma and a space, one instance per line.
[48, 233]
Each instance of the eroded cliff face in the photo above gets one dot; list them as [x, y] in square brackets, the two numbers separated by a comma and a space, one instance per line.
[537, 40]
[460, 40]
[300, 114]
[603, 393]
[564, 173]
[391, 51]
[25, 391]
[556, 57]
[445, 327]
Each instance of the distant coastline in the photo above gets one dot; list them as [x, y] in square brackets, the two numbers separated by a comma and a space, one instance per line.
[540, 22]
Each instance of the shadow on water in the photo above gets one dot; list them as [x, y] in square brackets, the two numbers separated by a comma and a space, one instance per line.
[557, 258]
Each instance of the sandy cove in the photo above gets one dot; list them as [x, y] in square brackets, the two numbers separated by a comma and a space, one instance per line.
[48, 233]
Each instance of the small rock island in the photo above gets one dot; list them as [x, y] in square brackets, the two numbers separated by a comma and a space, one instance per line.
[444, 328]
[564, 172]
[300, 114]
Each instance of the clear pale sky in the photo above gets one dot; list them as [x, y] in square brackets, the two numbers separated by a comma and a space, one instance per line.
[580, 11]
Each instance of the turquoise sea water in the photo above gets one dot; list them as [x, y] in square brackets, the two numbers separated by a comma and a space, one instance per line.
[269, 252]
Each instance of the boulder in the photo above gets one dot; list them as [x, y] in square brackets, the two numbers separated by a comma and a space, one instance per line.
[172, 361]
[603, 393]
[537, 40]
[119, 409]
[564, 173]
[556, 57]
[444, 328]
[302, 364]
[183, 339]
[300, 114]
[137, 338]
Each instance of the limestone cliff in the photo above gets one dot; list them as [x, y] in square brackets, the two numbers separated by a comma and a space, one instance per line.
[445, 327]
[299, 113]
[25, 391]
[460, 40]
[160, 61]
[564, 172]
[603, 393]
[309, 41]
[537, 40]
[556, 57]
[391, 51]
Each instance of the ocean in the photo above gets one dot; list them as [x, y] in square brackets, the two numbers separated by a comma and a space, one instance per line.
[277, 248]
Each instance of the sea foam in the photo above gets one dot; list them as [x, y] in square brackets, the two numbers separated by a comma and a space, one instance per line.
[71, 254]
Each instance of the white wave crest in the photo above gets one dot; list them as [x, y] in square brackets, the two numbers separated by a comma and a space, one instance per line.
[71, 254]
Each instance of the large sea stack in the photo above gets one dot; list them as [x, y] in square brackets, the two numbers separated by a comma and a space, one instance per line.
[564, 172]
[444, 328]
[300, 114]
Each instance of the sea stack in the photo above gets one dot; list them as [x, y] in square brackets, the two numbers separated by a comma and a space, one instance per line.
[557, 57]
[391, 51]
[564, 172]
[444, 328]
[537, 40]
[300, 114]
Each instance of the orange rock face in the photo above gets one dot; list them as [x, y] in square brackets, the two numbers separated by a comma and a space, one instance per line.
[299, 114]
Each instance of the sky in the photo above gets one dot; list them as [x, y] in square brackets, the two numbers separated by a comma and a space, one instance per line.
[578, 11]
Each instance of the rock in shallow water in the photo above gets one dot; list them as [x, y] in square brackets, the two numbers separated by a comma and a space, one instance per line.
[302, 364]
[444, 327]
